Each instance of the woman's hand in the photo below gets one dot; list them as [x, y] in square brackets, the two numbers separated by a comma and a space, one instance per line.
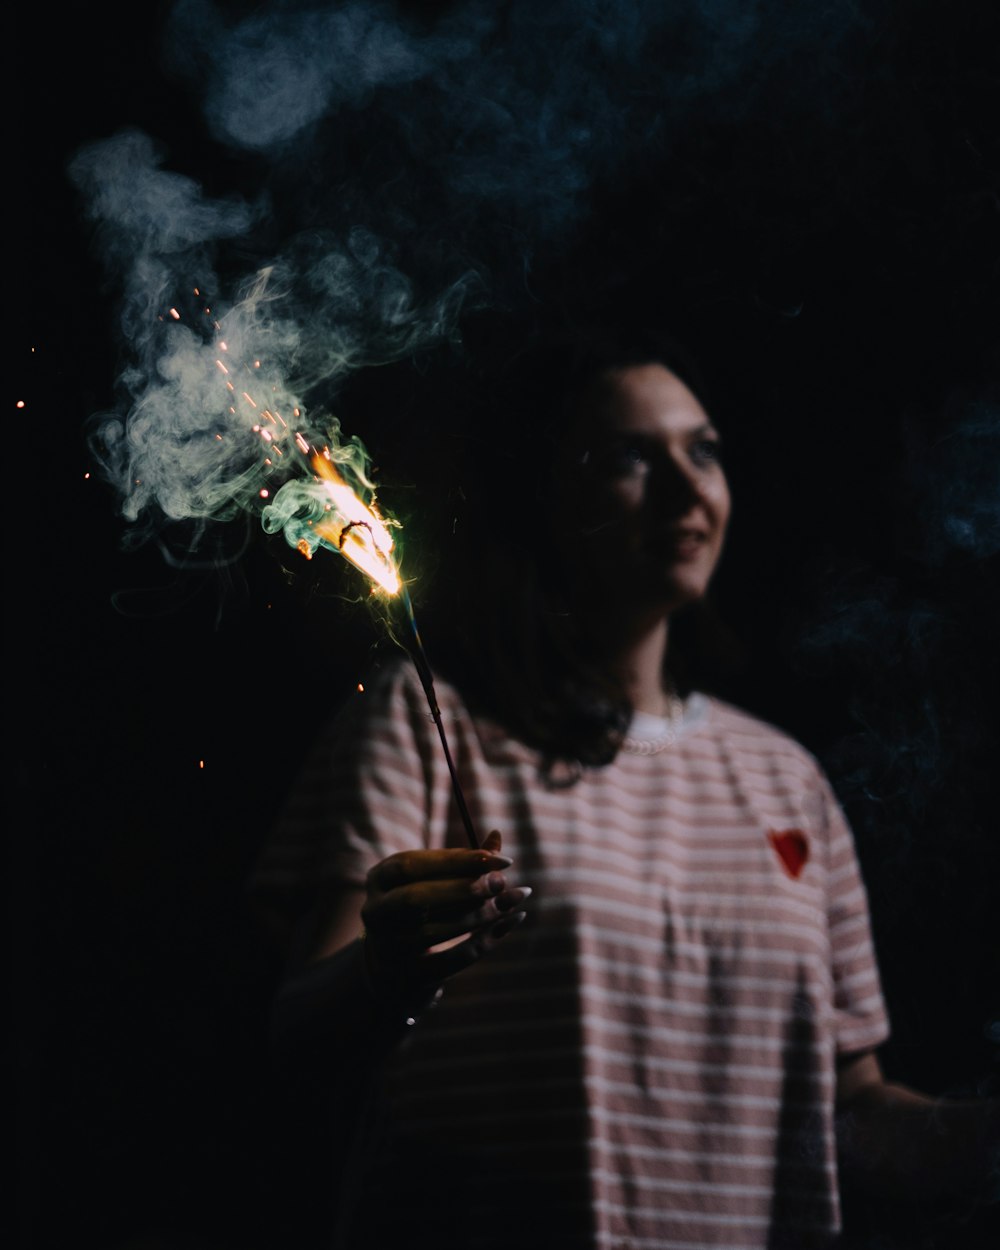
[429, 914]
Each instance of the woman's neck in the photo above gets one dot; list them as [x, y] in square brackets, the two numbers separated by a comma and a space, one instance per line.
[637, 659]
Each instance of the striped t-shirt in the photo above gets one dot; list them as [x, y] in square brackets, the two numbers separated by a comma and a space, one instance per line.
[649, 1060]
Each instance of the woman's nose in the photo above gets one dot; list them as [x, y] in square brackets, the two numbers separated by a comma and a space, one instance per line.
[675, 487]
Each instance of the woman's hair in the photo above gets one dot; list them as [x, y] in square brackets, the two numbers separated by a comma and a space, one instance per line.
[501, 628]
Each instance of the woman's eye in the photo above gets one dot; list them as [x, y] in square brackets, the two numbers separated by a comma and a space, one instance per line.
[623, 458]
[706, 451]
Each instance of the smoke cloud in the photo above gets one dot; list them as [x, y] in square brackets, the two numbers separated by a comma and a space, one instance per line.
[402, 166]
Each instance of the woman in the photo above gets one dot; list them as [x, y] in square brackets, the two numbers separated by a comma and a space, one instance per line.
[630, 1018]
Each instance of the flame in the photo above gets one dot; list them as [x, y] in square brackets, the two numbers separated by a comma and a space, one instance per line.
[354, 529]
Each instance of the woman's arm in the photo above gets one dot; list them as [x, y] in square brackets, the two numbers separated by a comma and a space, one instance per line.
[900, 1143]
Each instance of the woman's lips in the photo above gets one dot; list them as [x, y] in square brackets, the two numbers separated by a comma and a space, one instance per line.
[684, 544]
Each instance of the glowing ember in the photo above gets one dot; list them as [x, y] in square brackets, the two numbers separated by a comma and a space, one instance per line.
[357, 531]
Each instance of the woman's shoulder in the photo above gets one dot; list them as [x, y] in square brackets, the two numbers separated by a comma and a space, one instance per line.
[387, 675]
[395, 672]
[378, 694]
[750, 732]
[391, 685]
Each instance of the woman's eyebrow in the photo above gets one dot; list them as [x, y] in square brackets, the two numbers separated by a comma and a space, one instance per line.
[705, 430]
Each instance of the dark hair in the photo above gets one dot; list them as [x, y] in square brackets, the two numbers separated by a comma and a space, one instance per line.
[501, 630]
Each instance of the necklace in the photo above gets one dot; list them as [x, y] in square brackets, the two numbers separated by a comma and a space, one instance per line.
[659, 742]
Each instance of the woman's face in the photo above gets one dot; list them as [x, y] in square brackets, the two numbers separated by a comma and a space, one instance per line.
[641, 501]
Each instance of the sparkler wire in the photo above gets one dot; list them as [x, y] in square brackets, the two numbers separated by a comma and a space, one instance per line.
[419, 657]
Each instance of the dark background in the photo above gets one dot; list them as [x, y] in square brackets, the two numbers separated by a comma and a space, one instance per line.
[837, 268]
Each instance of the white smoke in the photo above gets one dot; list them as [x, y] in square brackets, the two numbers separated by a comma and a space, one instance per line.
[400, 169]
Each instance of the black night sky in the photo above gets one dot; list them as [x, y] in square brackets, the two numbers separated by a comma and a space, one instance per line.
[812, 198]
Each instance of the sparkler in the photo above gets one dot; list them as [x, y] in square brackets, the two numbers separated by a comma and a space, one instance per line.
[360, 535]
[320, 508]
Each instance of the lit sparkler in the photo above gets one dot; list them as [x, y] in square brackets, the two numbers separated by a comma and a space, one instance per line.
[353, 529]
[320, 508]
[359, 533]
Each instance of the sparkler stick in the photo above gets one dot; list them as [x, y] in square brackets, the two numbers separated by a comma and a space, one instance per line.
[328, 511]
[360, 535]
[419, 658]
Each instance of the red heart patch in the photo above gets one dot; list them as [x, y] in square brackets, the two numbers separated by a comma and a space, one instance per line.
[792, 848]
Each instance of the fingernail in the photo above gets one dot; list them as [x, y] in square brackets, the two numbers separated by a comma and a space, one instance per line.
[497, 861]
[495, 882]
[509, 922]
[514, 898]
